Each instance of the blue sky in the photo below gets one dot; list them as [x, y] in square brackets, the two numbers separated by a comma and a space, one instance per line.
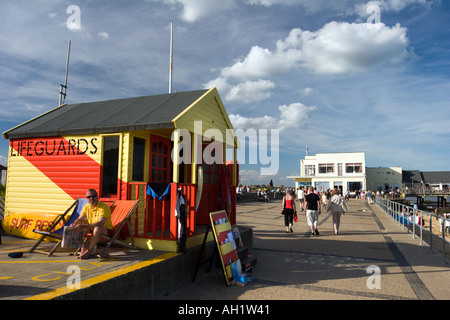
[314, 70]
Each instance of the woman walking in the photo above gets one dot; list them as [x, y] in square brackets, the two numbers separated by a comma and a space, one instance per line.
[337, 206]
[289, 210]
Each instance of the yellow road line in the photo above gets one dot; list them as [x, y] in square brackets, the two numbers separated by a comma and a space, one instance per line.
[95, 280]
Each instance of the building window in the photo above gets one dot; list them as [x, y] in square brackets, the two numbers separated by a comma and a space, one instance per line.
[340, 169]
[326, 168]
[110, 166]
[138, 159]
[353, 168]
[310, 170]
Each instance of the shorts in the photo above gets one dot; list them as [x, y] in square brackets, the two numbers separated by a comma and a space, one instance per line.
[110, 233]
[312, 217]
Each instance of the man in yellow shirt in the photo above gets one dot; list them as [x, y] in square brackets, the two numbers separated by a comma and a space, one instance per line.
[95, 218]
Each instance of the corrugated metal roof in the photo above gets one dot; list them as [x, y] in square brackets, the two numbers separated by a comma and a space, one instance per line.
[412, 176]
[140, 113]
[437, 177]
[416, 176]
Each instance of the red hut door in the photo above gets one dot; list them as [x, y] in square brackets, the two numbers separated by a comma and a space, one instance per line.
[160, 174]
[210, 195]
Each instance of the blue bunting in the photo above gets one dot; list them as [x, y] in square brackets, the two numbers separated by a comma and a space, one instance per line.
[152, 193]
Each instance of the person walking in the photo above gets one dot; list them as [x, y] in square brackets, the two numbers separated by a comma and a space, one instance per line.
[289, 210]
[301, 198]
[338, 207]
[324, 200]
[312, 210]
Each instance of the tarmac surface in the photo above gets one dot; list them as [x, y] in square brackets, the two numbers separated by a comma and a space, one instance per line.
[299, 266]
[372, 258]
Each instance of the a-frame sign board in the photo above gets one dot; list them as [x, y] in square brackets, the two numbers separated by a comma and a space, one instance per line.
[225, 242]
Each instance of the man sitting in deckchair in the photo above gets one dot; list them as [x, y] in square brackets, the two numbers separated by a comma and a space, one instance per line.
[95, 218]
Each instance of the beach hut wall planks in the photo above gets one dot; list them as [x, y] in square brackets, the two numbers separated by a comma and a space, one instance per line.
[124, 148]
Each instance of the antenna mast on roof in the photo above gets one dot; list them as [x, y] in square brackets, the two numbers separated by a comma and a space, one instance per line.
[63, 87]
[171, 57]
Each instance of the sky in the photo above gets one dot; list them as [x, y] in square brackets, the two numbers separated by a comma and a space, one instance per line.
[316, 75]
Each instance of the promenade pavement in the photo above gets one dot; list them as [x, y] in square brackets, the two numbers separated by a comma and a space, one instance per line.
[298, 266]
[372, 258]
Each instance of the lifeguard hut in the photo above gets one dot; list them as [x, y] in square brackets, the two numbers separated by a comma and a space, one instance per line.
[145, 148]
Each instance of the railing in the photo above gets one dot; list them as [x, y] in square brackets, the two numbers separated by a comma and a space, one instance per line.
[430, 193]
[155, 219]
[414, 220]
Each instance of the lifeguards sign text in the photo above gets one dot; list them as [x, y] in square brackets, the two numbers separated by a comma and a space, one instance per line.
[53, 147]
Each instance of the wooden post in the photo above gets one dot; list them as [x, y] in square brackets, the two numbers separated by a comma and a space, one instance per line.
[235, 173]
[173, 223]
[196, 156]
[176, 156]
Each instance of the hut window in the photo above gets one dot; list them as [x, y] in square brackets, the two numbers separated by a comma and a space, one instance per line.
[138, 159]
[160, 160]
[110, 166]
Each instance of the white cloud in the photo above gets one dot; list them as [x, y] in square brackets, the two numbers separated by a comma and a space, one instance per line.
[246, 91]
[340, 47]
[388, 5]
[103, 35]
[294, 115]
[240, 122]
[193, 10]
[306, 91]
[3, 160]
[250, 91]
[291, 116]
[261, 62]
[337, 48]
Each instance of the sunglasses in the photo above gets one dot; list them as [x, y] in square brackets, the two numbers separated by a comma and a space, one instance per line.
[89, 197]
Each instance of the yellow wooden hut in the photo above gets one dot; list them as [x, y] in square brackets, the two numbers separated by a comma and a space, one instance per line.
[144, 148]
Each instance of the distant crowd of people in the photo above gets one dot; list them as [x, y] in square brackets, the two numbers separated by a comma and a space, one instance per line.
[313, 203]
[242, 192]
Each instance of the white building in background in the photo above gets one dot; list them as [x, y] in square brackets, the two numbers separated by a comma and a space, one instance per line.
[344, 171]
